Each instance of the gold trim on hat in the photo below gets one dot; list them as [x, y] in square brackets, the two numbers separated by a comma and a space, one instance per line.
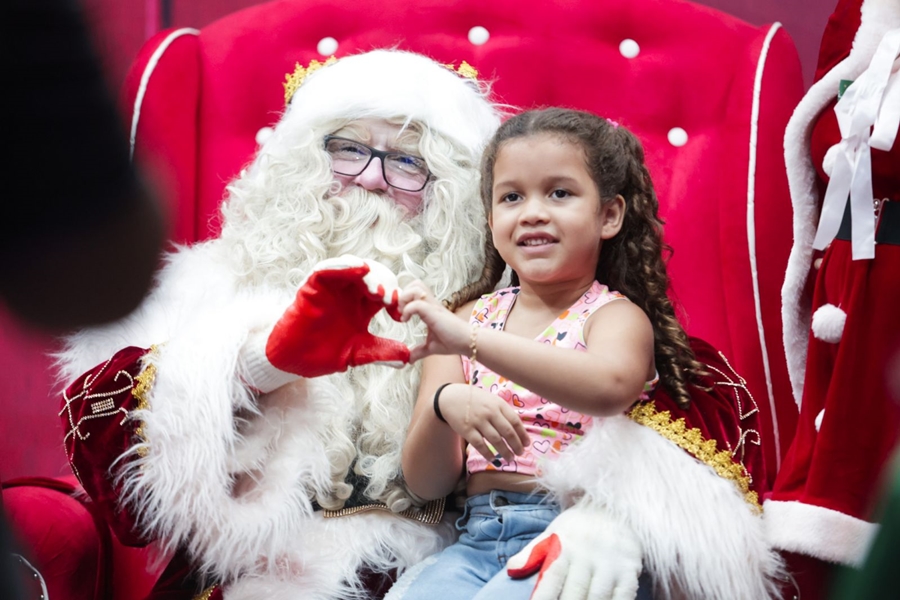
[294, 80]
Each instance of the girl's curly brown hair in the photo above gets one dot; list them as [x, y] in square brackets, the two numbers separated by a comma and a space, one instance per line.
[633, 262]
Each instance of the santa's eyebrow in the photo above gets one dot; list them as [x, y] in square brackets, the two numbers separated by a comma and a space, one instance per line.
[354, 131]
[408, 141]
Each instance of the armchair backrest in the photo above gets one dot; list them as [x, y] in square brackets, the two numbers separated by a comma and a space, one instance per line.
[708, 95]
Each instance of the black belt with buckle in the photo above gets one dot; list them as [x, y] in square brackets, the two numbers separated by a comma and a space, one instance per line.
[887, 223]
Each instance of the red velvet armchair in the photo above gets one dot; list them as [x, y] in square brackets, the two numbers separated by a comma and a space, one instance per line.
[708, 95]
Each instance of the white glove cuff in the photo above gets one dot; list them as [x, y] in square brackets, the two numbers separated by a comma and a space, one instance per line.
[259, 373]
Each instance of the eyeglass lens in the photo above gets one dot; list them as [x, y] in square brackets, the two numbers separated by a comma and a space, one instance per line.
[402, 171]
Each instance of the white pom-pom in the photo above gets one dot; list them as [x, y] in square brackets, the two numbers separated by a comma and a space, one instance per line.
[828, 160]
[263, 134]
[828, 323]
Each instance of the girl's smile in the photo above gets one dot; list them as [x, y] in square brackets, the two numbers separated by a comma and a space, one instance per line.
[536, 242]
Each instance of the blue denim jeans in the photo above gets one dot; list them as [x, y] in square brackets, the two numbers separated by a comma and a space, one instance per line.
[495, 527]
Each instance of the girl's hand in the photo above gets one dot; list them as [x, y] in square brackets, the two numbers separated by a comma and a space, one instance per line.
[447, 333]
[482, 418]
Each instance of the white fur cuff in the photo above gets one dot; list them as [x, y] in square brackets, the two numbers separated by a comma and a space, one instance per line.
[259, 373]
[816, 531]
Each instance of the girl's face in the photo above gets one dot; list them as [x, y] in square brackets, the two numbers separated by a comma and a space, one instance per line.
[546, 216]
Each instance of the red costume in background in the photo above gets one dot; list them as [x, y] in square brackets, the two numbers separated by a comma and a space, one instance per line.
[841, 341]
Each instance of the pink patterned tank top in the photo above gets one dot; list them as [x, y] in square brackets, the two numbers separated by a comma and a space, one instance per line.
[551, 427]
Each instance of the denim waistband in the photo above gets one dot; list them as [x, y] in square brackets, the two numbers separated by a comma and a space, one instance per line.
[500, 498]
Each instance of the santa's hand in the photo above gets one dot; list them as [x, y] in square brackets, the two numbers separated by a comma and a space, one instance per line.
[583, 554]
[326, 329]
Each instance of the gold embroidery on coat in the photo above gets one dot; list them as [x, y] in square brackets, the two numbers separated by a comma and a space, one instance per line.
[103, 407]
[206, 594]
[141, 393]
[691, 440]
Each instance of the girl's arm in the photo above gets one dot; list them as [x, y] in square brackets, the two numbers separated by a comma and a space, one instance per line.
[605, 380]
[433, 452]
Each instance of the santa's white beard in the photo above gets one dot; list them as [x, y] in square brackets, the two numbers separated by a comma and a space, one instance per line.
[277, 238]
[372, 226]
[371, 404]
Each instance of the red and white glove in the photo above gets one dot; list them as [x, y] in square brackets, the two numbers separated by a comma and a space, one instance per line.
[583, 554]
[326, 329]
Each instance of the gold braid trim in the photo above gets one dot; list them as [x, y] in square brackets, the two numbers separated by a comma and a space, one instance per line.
[691, 440]
[141, 393]
[430, 514]
[464, 70]
[206, 594]
[293, 81]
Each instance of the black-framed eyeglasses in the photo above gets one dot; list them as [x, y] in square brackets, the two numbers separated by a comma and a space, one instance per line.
[402, 171]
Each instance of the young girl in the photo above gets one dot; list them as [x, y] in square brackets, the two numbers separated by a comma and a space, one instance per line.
[586, 331]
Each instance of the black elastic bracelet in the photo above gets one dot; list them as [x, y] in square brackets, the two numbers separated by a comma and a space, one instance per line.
[437, 406]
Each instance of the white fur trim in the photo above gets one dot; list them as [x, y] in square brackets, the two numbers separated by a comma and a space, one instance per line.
[820, 532]
[397, 84]
[878, 17]
[751, 233]
[145, 79]
[682, 512]
[828, 323]
[337, 549]
[235, 491]
[804, 198]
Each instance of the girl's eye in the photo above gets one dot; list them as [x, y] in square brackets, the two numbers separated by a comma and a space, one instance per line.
[511, 197]
[560, 194]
